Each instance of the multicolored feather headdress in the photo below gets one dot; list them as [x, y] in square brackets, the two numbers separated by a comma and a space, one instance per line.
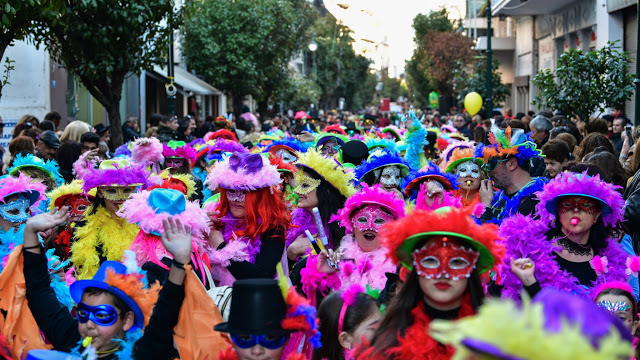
[380, 159]
[507, 143]
[179, 149]
[49, 167]
[22, 183]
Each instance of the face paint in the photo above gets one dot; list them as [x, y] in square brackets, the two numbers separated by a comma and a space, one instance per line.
[390, 176]
[236, 195]
[615, 306]
[117, 193]
[329, 148]
[443, 258]
[16, 211]
[101, 315]
[304, 183]
[286, 156]
[468, 169]
[78, 205]
[371, 217]
[173, 162]
[579, 203]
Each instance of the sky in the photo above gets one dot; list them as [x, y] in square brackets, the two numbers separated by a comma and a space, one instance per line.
[391, 19]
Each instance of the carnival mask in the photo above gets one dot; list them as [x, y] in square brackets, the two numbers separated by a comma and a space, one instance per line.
[305, 183]
[236, 195]
[329, 148]
[371, 217]
[468, 169]
[101, 315]
[117, 193]
[573, 203]
[614, 307]
[286, 156]
[16, 211]
[173, 162]
[389, 176]
[78, 205]
[443, 258]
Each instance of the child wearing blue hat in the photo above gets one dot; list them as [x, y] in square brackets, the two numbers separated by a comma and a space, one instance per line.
[114, 306]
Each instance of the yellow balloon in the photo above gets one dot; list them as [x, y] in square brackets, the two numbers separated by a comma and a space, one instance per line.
[473, 103]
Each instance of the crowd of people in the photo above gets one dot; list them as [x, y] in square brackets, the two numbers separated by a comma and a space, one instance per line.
[318, 235]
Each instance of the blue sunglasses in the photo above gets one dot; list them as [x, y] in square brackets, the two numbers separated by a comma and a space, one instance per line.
[246, 341]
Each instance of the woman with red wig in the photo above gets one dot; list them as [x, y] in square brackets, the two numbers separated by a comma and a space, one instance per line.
[250, 220]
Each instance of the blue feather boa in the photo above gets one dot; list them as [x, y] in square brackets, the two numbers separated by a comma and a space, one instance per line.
[510, 205]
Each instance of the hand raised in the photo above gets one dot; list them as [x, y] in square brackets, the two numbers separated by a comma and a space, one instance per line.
[176, 238]
[48, 220]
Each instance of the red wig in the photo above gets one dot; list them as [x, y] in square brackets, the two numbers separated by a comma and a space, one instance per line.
[264, 210]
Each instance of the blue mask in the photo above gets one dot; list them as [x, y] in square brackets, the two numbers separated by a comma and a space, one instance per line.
[247, 341]
[16, 211]
[101, 315]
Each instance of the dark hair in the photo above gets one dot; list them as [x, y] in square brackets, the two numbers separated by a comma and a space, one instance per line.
[592, 141]
[183, 125]
[155, 119]
[516, 124]
[118, 303]
[620, 292]
[557, 150]
[597, 126]
[90, 137]
[330, 200]
[52, 116]
[480, 135]
[47, 125]
[22, 143]
[597, 236]
[613, 170]
[328, 316]
[68, 153]
[591, 169]
[398, 316]
[568, 139]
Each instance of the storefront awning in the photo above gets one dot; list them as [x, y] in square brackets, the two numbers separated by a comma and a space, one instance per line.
[187, 82]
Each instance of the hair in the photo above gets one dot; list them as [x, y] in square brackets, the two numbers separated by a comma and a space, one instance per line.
[541, 123]
[594, 140]
[167, 119]
[22, 143]
[264, 210]
[33, 133]
[74, 131]
[183, 125]
[132, 118]
[567, 138]
[47, 125]
[557, 150]
[329, 318]
[150, 131]
[579, 168]
[52, 116]
[20, 127]
[597, 126]
[597, 236]
[90, 137]
[620, 292]
[118, 303]
[29, 119]
[624, 120]
[398, 314]
[516, 124]
[613, 170]
[635, 161]
[480, 135]
[103, 150]
[67, 154]
[155, 119]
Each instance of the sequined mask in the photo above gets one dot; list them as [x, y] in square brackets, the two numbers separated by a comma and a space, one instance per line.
[443, 258]
[236, 195]
[468, 169]
[117, 193]
[173, 162]
[286, 156]
[615, 306]
[305, 183]
[389, 176]
[78, 205]
[578, 203]
[16, 211]
[371, 218]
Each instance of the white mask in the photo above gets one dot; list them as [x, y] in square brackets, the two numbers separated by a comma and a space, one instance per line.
[286, 156]
[390, 176]
[468, 169]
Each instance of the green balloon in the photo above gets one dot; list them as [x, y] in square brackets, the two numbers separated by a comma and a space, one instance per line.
[434, 99]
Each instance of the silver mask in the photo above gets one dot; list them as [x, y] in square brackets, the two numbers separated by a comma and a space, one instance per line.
[468, 169]
[390, 176]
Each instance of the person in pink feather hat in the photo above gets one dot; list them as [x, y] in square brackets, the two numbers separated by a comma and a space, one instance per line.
[361, 258]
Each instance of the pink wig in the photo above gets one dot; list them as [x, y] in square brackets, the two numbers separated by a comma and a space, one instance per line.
[147, 150]
[223, 175]
[22, 184]
[185, 152]
[373, 195]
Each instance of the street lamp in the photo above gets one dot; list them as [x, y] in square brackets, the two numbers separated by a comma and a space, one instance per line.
[313, 46]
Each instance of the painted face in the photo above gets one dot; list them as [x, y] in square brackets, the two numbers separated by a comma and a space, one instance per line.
[330, 148]
[619, 306]
[173, 162]
[16, 211]
[468, 169]
[236, 195]
[442, 258]
[371, 218]
[117, 193]
[305, 184]
[286, 156]
[390, 177]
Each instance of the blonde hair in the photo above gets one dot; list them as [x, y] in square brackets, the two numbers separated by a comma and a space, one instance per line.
[74, 131]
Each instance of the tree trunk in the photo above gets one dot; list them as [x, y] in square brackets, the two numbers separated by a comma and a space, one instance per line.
[115, 128]
[263, 109]
[237, 105]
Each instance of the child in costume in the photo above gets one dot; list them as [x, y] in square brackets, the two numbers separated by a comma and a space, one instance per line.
[346, 319]
[287, 171]
[459, 159]
[113, 307]
[568, 246]
[556, 325]
[148, 209]
[178, 158]
[330, 145]
[430, 186]
[103, 235]
[447, 251]
[383, 167]
[320, 182]
[48, 172]
[251, 219]
[18, 195]
[617, 298]
[263, 316]
[288, 149]
[363, 260]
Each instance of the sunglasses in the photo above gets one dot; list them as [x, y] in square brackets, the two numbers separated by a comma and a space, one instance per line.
[246, 341]
[492, 164]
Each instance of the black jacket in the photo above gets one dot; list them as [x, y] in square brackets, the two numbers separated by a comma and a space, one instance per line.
[631, 223]
[128, 133]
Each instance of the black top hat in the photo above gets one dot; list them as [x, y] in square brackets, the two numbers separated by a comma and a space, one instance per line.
[355, 152]
[351, 126]
[100, 129]
[257, 308]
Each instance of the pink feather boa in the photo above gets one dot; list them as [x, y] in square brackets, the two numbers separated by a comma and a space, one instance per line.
[237, 251]
[23, 183]
[369, 195]
[147, 151]
[369, 268]
[82, 165]
[525, 238]
[314, 281]
[447, 200]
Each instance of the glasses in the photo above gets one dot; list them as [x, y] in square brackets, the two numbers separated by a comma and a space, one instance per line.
[246, 341]
[492, 164]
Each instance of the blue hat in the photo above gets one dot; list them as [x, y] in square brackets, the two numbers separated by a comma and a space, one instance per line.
[50, 355]
[167, 201]
[98, 281]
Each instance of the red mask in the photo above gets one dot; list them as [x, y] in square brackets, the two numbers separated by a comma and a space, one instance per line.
[445, 258]
[579, 203]
[78, 205]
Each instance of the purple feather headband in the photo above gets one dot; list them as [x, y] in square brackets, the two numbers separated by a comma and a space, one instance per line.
[120, 175]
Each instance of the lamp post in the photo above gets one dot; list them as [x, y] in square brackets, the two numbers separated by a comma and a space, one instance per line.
[313, 46]
[636, 121]
[489, 64]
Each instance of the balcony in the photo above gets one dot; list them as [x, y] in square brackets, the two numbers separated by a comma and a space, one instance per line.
[527, 7]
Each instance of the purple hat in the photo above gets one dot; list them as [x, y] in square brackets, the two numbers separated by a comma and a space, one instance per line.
[243, 172]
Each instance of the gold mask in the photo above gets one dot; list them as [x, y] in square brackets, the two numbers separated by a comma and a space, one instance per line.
[117, 193]
[304, 183]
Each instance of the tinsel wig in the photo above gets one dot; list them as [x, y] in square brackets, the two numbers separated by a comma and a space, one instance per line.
[116, 173]
[571, 184]
[10, 185]
[243, 172]
[146, 151]
[329, 169]
[49, 167]
[59, 195]
[373, 195]
[447, 153]
[379, 159]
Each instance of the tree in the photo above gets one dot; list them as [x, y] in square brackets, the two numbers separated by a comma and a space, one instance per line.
[434, 21]
[101, 42]
[442, 54]
[18, 20]
[300, 92]
[474, 78]
[584, 83]
[243, 47]
[393, 88]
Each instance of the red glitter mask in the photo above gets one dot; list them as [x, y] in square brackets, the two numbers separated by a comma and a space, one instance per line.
[78, 205]
[444, 258]
[579, 203]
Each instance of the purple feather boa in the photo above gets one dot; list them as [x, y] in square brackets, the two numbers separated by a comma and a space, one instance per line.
[525, 238]
[134, 174]
[303, 220]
